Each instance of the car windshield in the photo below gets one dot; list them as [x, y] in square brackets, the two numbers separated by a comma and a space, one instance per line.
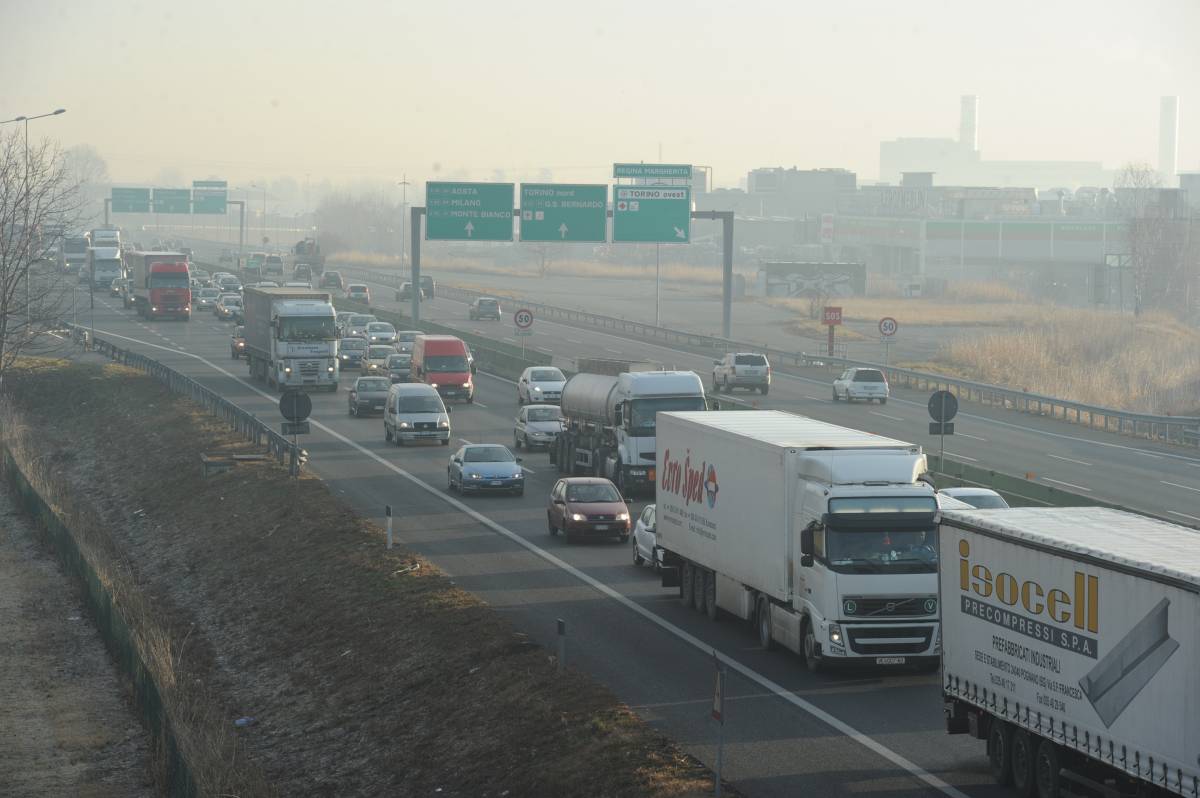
[546, 375]
[487, 454]
[892, 547]
[307, 328]
[642, 422]
[209, 293]
[230, 281]
[488, 304]
[231, 301]
[400, 361]
[380, 326]
[408, 336]
[361, 319]
[274, 259]
[352, 343]
[868, 375]
[421, 404]
[750, 360]
[380, 352]
[358, 289]
[169, 280]
[597, 492]
[543, 414]
[239, 332]
[984, 502]
[373, 384]
[446, 363]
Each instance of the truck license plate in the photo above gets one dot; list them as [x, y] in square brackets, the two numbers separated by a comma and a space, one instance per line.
[889, 660]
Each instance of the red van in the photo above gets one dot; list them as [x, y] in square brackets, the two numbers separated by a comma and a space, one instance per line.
[444, 362]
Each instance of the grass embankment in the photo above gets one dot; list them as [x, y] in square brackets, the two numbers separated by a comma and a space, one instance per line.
[369, 672]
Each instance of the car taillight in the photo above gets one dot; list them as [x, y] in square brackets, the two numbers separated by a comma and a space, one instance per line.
[768, 371]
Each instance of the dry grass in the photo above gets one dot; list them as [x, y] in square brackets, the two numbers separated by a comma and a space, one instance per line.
[368, 677]
[1149, 365]
[928, 312]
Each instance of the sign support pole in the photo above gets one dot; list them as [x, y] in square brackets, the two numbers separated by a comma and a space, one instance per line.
[942, 451]
[657, 285]
[415, 227]
[107, 206]
[726, 218]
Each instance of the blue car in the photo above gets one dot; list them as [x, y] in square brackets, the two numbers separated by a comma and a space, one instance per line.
[351, 352]
[483, 468]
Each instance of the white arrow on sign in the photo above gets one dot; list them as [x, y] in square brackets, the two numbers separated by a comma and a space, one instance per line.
[679, 233]
[562, 230]
[470, 228]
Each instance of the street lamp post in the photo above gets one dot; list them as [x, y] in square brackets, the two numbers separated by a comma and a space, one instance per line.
[28, 238]
[264, 215]
[404, 184]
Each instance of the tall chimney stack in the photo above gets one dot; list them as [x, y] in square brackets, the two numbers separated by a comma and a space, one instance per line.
[1168, 146]
[968, 123]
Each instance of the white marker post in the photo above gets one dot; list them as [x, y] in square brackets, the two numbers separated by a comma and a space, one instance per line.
[718, 714]
[387, 511]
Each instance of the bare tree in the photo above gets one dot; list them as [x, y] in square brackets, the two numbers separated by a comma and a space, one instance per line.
[1162, 261]
[39, 200]
[85, 165]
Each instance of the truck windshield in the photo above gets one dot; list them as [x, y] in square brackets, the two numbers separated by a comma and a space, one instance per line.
[307, 328]
[642, 420]
[446, 363]
[887, 547]
[106, 265]
[169, 280]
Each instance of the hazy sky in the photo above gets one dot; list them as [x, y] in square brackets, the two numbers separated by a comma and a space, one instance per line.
[361, 90]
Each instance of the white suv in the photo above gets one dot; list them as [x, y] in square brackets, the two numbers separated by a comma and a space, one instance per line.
[861, 383]
[741, 370]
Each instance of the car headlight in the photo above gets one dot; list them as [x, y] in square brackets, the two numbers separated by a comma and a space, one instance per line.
[474, 476]
[466, 385]
[622, 516]
[835, 633]
[536, 388]
[330, 368]
[153, 310]
[444, 424]
[345, 357]
[287, 369]
[433, 385]
[403, 425]
[578, 517]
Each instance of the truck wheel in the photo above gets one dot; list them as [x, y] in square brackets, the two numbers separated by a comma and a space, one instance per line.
[1046, 768]
[699, 576]
[686, 575]
[812, 660]
[835, 396]
[1022, 763]
[637, 555]
[762, 617]
[765, 388]
[999, 750]
[710, 595]
[553, 530]
[516, 441]
[387, 433]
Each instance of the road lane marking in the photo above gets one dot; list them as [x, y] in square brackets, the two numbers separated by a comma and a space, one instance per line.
[1067, 484]
[1147, 454]
[480, 404]
[572, 341]
[962, 457]
[464, 440]
[972, 437]
[614, 351]
[884, 415]
[1184, 515]
[1177, 485]
[702, 646]
[527, 468]
[1068, 460]
[814, 398]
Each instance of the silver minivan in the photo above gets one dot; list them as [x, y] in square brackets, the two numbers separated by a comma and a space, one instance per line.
[415, 412]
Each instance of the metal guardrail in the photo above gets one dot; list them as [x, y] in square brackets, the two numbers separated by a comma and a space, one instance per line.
[247, 424]
[1173, 429]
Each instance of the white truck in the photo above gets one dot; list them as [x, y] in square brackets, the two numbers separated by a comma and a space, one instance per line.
[609, 423]
[104, 265]
[1070, 644]
[291, 338]
[823, 537]
[105, 237]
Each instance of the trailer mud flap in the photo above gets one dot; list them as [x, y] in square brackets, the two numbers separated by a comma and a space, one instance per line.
[670, 575]
[1119, 677]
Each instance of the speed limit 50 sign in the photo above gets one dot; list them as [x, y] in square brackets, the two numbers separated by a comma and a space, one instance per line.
[523, 318]
[888, 326]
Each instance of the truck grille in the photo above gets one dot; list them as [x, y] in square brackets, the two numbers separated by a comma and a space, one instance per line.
[884, 640]
[888, 606]
[310, 368]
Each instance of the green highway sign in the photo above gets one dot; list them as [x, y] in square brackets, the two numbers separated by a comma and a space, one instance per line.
[654, 171]
[468, 211]
[172, 200]
[564, 212]
[652, 214]
[130, 200]
[209, 196]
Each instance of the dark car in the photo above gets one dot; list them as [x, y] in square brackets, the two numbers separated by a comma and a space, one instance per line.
[237, 342]
[332, 280]
[368, 395]
[351, 352]
[485, 307]
[428, 284]
[587, 507]
[399, 367]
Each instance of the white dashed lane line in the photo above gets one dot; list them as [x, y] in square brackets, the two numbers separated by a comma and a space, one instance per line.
[884, 415]
[972, 437]
[1069, 460]
[1177, 485]
[1067, 484]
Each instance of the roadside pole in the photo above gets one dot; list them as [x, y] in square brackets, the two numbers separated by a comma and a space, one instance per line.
[387, 511]
[718, 714]
[415, 234]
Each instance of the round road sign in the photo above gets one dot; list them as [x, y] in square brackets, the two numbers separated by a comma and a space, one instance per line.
[943, 406]
[295, 406]
[523, 318]
[888, 326]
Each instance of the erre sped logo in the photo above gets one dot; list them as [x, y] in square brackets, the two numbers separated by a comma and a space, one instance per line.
[691, 482]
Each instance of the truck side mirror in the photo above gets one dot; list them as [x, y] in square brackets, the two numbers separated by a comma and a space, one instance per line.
[474, 368]
[619, 415]
[806, 546]
[715, 404]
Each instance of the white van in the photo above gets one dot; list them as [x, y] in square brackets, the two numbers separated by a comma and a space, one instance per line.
[415, 412]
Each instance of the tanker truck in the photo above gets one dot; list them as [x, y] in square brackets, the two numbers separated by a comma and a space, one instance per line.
[609, 423]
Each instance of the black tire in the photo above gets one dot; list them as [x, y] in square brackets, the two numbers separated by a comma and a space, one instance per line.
[883, 401]
[550, 527]
[710, 595]
[686, 575]
[519, 492]
[350, 410]
[1046, 767]
[727, 388]
[1023, 757]
[808, 635]
[623, 539]
[999, 751]
[762, 620]
[836, 398]
[516, 441]
[764, 389]
[716, 387]
[446, 442]
[699, 577]
[449, 481]
[387, 434]
[399, 440]
[470, 400]
[638, 560]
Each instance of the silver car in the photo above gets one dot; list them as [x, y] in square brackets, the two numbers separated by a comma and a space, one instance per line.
[381, 332]
[540, 384]
[205, 298]
[861, 383]
[356, 327]
[405, 338]
[536, 426]
[368, 395]
[399, 367]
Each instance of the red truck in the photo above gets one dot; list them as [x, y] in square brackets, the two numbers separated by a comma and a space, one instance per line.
[161, 285]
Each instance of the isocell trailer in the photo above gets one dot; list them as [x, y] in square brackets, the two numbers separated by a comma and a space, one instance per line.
[1069, 644]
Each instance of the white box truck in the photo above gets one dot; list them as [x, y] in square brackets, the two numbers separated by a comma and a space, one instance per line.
[291, 338]
[1069, 644]
[824, 537]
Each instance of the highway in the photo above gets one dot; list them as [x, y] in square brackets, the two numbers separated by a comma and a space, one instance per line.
[788, 732]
